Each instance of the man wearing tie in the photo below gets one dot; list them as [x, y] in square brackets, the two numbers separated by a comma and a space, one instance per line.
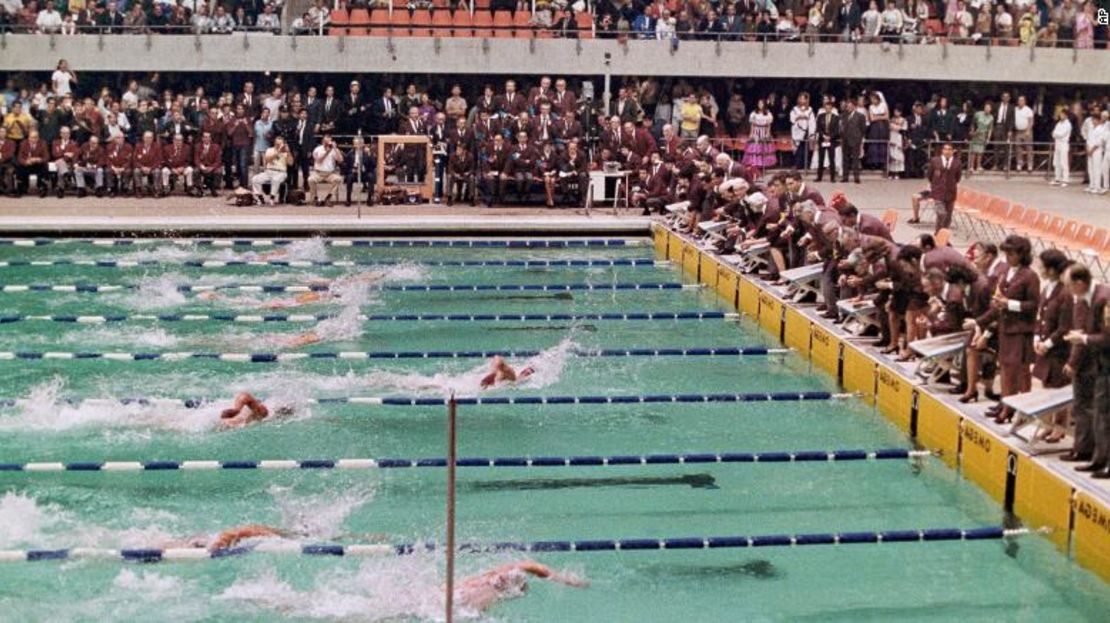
[1004, 124]
[360, 167]
[330, 110]
[354, 109]
[304, 143]
[413, 125]
[1088, 339]
[543, 131]
[562, 100]
[438, 135]
[828, 135]
[852, 131]
[944, 178]
[385, 113]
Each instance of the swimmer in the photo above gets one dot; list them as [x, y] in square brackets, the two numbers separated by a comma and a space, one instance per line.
[479, 592]
[502, 372]
[256, 412]
[229, 538]
[327, 290]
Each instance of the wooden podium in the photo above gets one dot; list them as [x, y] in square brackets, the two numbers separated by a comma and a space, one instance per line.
[387, 144]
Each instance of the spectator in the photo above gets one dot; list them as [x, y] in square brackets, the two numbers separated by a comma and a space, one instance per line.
[1023, 134]
[262, 143]
[269, 20]
[1061, 142]
[222, 23]
[49, 20]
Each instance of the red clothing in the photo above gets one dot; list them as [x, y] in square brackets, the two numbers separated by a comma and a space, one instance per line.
[207, 157]
[119, 156]
[643, 143]
[7, 151]
[240, 132]
[69, 151]
[91, 156]
[177, 156]
[28, 150]
[147, 156]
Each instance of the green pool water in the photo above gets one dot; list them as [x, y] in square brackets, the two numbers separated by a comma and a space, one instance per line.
[1024, 580]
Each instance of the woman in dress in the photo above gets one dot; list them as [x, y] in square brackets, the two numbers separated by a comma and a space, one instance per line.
[981, 126]
[1085, 27]
[759, 153]
[1053, 323]
[896, 164]
[871, 20]
[878, 131]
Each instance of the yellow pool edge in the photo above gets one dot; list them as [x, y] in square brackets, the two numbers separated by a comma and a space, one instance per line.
[1040, 497]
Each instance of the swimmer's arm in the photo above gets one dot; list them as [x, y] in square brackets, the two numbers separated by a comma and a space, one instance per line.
[229, 538]
[532, 567]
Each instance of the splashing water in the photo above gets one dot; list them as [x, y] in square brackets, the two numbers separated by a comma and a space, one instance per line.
[319, 516]
[23, 520]
[130, 335]
[381, 589]
[548, 366]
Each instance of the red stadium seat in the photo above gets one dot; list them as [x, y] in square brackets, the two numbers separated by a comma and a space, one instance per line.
[483, 24]
[400, 22]
[463, 23]
[522, 24]
[421, 23]
[379, 22]
[502, 24]
[340, 19]
[442, 24]
[585, 23]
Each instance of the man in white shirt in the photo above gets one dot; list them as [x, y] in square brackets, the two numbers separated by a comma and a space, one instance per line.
[49, 19]
[325, 160]
[276, 162]
[1096, 149]
[802, 125]
[1023, 133]
[1061, 138]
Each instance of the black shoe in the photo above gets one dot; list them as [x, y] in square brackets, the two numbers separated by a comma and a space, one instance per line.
[1091, 467]
[1073, 457]
[60, 191]
[347, 203]
[113, 193]
[993, 411]
[1101, 475]
[992, 396]
[844, 180]
[100, 192]
[213, 193]
[81, 193]
[857, 180]
[959, 389]
[42, 192]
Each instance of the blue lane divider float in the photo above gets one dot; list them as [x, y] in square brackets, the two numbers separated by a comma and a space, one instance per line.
[268, 357]
[270, 288]
[217, 317]
[420, 401]
[635, 262]
[283, 547]
[521, 243]
[617, 460]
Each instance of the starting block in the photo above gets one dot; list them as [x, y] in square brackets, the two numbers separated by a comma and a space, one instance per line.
[858, 315]
[676, 212]
[713, 233]
[939, 355]
[755, 257]
[803, 281]
[1037, 407]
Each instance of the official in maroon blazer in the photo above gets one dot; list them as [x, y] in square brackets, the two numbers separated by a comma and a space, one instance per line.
[1053, 323]
[945, 171]
[1013, 311]
[1088, 339]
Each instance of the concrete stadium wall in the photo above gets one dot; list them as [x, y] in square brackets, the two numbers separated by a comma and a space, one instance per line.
[260, 52]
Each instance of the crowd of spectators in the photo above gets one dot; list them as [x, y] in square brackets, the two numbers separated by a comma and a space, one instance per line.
[1018, 326]
[1045, 23]
[645, 118]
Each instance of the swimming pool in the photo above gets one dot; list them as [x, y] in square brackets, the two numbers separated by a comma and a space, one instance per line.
[987, 580]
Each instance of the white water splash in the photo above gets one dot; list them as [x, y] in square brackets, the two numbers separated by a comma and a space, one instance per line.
[23, 521]
[385, 589]
[319, 516]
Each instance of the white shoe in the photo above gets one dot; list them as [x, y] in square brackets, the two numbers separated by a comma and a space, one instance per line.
[1101, 191]
[1063, 184]
[1054, 183]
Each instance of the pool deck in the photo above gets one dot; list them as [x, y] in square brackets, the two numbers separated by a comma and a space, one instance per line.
[1032, 483]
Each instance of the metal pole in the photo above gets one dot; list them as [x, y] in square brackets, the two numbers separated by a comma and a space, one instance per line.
[452, 448]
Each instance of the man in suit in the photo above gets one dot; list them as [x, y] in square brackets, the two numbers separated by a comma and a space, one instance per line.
[354, 110]
[568, 129]
[521, 166]
[1004, 123]
[625, 107]
[330, 112]
[383, 113]
[828, 136]
[413, 155]
[1088, 339]
[643, 143]
[656, 188]
[206, 165]
[438, 134]
[944, 178]
[360, 166]
[865, 224]
[304, 141]
[511, 103]
[494, 156]
[853, 128]
[249, 100]
[563, 100]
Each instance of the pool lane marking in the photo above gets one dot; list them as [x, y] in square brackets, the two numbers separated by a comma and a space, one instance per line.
[620, 460]
[421, 401]
[273, 357]
[286, 547]
[556, 317]
[637, 262]
[91, 288]
[515, 243]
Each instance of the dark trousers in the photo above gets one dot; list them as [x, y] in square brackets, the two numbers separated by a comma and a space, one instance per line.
[367, 183]
[439, 163]
[944, 213]
[228, 158]
[801, 156]
[1101, 422]
[851, 161]
[1085, 411]
[24, 172]
[7, 177]
[210, 180]
[242, 156]
[828, 151]
[491, 189]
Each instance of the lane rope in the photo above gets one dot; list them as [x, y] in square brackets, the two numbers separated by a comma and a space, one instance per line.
[420, 401]
[217, 317]
[522, 243]
[272, 357]
[639, 262]
[282, 547]
[620, 460]
[269, 288]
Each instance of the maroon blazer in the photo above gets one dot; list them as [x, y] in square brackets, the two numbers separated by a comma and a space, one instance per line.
[1090, 319]
[1024, 287]
[207, 158]
[69, 152]
[873, 226]
[562, 102]
[941, 257]
[7, 151]
[942, 181]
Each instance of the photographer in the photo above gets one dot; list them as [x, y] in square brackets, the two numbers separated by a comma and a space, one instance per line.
[275, 163]
[325, 161]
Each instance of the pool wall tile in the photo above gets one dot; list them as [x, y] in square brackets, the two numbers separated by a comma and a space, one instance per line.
[983, 459]
[858, 373]
[938, 427]
[1092, 534]
[728, 284]
[770, 314]
[797, 329]
[690, 255]
[1043, 499]
[708, 270]
[749, 298]
[825, 350]
[894, 397]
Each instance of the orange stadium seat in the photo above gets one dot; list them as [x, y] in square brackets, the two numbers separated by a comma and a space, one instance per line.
[942, 237]
[463, 23]
[502, 24]
[399, 23]
[359, 21]
[585, 24]
[1098, 241]
[481, 5]
[340, 19]
[421, 23]
[522, 24]
[1083, 236]
[483, 24]
[442, 24]
[890, 219]
[379, 22]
